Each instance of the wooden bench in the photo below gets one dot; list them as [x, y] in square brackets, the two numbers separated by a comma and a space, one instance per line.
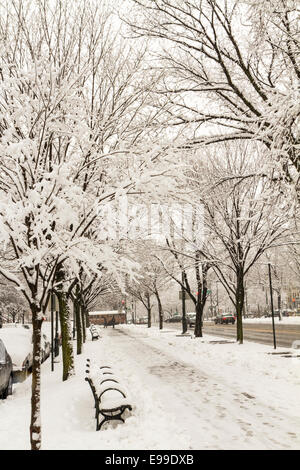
[110, 398]
[94, 332]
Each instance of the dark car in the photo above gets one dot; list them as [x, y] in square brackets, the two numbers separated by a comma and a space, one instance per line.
[269, 314]
[288, 313]
[174, 319]
[142, 321]
[191, 319]
[6, 379]
[225, 319]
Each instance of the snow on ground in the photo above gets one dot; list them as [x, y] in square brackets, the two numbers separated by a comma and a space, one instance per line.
[186, 393]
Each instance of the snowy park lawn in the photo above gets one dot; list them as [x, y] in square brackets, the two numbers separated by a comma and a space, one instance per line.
[186, 394]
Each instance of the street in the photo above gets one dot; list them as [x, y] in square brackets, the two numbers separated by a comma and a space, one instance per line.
[260, 333]
[257, 332]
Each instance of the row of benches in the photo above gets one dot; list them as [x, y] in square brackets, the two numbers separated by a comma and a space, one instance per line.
[110, 397]
[94, 332]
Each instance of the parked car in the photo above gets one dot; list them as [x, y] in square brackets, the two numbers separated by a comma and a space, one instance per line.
[269, 314]
[142, 320]
[174, 319]
[288, 313]
[45, 347]
[6, 367]
[225, 319]
[18, 343]
[191, 319]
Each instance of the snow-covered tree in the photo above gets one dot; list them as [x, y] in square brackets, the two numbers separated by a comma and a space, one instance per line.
[189, 269]
[243, 218]
[232, 72]
[151, 277]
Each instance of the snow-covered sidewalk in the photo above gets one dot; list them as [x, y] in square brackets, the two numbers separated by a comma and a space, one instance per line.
[186, 393]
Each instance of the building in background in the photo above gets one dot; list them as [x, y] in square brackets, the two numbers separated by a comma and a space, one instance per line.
[100, 317]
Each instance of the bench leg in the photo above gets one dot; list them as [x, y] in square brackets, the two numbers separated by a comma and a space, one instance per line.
[117, 417]
[109, 418]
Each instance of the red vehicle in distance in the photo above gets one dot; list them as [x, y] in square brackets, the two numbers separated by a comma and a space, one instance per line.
[225, 319]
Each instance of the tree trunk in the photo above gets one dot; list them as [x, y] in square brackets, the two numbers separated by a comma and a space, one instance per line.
[239, 303]
[35, 424]
[56, 341]
[199, 320]
[83, 322]
[148, 309]
[74, 325]
[65, 325]
[87, 318]
[279, 305]
[66, 335]
[76, 306]
[160, 311]
[201, 297]
[183, 294]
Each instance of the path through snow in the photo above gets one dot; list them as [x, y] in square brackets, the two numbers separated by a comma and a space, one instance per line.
[209, 413]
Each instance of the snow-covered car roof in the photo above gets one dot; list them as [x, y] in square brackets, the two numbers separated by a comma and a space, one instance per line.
[18, 343]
